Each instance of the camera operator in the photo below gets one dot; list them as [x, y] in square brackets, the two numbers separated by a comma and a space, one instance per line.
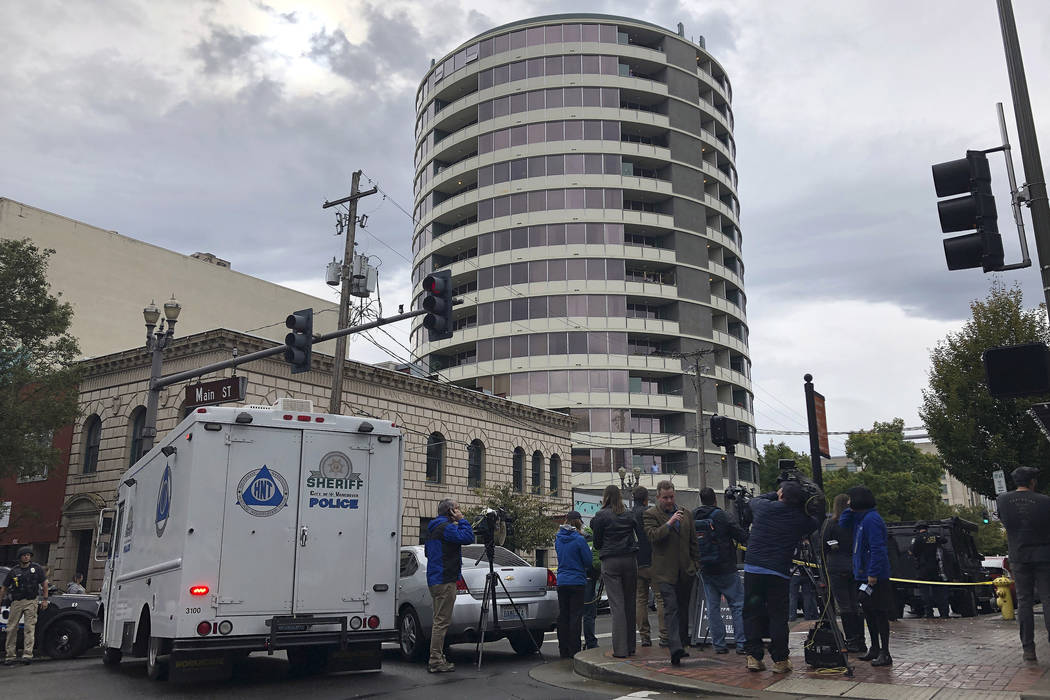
[780, 521]
[718, 576]
[446, 535]
[837, 545]
[926, 551]
[871, 567]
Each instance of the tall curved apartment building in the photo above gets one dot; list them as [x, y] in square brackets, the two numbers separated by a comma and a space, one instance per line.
[576, 175]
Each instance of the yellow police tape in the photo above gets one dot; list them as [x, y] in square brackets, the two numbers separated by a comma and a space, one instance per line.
[898, 580]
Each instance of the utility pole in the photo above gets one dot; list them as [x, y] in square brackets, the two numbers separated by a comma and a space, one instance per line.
[1028, 143]
[336, 401]
[701, 431]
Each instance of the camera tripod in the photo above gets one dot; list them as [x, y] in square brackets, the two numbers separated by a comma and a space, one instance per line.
[489, 596]
[826, 605]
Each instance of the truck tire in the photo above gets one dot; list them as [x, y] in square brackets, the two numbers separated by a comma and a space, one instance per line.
[64, 639]
[522, 641]
[156, 658]
[410, 635]
[111, 657]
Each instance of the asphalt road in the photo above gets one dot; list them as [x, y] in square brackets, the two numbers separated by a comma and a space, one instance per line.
[503, 675]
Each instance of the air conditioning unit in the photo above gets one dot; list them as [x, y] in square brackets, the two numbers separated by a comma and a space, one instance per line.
[294, 405]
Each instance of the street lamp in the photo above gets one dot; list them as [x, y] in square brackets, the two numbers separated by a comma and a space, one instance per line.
[628, 481]
[159, 334]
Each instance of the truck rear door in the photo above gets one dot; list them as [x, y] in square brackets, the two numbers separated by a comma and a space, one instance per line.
[256, 571]
[331, 548]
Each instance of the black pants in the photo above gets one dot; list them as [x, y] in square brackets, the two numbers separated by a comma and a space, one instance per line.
[876, 608]
[570, 619]
[1029, 579]
[766, 607]
[676, 611]
[934, 597]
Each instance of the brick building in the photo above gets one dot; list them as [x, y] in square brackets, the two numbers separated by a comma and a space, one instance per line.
[456, 438]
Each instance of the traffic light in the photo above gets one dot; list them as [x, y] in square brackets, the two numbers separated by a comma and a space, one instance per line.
[724, 431]
[971, 177]
[984, 517]
[438, 305]
[1017, 370]
[298, 345]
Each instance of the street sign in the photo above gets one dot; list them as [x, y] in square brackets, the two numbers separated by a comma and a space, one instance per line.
[701, 623]
[217, 391]
[999, 479]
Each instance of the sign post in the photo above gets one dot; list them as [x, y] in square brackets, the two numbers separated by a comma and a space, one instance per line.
[818, 430]
[999, 479]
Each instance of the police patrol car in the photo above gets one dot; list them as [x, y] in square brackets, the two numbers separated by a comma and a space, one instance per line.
[255, 529]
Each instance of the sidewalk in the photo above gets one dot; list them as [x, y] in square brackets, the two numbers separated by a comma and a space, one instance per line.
[957, 658]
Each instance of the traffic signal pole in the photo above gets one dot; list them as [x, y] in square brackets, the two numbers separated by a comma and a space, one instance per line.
[1028, 144]
[335, 402]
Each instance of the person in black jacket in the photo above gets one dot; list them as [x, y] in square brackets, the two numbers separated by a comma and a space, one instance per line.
[1026, 516]
[780, 521]
[616, 535]
[719, 578]
[925, 551]
[836, 544]
[645, 578]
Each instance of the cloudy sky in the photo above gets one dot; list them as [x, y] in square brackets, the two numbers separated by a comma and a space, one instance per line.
[223, 125]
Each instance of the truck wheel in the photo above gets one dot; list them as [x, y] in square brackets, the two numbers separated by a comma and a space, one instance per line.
[522, 641]
[157, 658]
[111, 657]
[410, 635]
[64, 639]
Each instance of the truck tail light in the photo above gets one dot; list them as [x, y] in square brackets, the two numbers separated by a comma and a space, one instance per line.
[204, 628]
[355, 623]
[225, 627]
[373, 622]
[199, 590]
[552, 580]
[461, 586]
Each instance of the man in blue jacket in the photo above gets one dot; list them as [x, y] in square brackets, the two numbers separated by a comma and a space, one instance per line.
[780, 521]
[446, 535]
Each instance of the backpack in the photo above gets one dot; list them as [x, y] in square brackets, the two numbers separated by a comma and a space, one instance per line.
[707, 541]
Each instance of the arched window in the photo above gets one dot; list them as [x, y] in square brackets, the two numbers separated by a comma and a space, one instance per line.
[138, 422]
[92, 439]
[518, 470]
[537, 471]
[555, 474]
[435, 457]
[475, 463]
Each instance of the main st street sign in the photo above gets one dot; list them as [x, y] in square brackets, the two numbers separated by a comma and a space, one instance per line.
[217, 391]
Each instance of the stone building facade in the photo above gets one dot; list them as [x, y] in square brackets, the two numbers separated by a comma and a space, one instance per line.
[454, 437]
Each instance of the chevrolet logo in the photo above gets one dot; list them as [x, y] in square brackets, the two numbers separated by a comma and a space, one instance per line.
[509, 578]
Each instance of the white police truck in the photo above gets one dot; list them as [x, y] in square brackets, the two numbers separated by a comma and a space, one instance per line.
[258, 528]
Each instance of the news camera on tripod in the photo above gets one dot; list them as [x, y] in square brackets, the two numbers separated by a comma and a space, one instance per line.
[781, 520]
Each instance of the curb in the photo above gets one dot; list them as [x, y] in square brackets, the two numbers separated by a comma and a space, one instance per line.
[593, 664]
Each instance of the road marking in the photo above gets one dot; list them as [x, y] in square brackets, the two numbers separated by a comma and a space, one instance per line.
[554, 635]
[639, 694]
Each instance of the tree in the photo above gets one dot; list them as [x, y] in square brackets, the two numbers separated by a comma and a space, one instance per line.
[532, 518]
[768, 468]
[906, 482]
[38, 378]
[975, 433]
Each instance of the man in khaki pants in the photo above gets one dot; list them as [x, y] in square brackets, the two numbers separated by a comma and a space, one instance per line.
[645, 580]
[446, 535]
[23, 582]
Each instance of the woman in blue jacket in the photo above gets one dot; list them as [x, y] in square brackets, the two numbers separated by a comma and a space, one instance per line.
[871, 570]
[574, 559]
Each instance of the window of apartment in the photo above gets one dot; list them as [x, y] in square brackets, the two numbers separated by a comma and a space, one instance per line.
[45, 440]
[136, 426]
[518, 470]
[435, 457]
[475, 463]
[92, 440]
[555, 474]
[537, 471]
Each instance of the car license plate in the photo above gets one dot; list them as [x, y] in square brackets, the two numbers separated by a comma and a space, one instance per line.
[506, 612]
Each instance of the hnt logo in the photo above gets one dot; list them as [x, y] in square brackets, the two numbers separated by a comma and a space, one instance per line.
[262, 492]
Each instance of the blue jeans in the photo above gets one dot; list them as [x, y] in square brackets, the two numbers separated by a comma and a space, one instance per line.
[730, 586]
[590, 611]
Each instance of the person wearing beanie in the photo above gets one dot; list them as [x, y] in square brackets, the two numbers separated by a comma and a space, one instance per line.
[871, 570]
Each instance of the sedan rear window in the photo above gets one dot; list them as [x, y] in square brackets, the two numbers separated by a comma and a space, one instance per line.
[500, 557]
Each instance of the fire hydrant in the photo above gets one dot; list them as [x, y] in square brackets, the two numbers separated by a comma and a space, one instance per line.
[1003, 598]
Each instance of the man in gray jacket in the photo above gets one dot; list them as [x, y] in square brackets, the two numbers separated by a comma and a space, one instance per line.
[1026, 516]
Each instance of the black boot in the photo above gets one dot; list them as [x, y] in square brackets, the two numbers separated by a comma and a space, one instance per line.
[883, 659]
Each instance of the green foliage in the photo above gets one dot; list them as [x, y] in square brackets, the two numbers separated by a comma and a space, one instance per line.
[771, 455]
[991, 538]
[533, 526]
[975, 433]
[905, 481]
[38, 379]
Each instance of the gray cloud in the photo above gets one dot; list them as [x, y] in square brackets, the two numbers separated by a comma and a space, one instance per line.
[225, 51]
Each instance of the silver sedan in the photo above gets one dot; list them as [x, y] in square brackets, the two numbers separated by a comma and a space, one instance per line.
[532, 588]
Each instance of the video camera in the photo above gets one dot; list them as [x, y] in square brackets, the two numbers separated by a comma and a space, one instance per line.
[815, 505]
[493, 525]
[741, 497]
